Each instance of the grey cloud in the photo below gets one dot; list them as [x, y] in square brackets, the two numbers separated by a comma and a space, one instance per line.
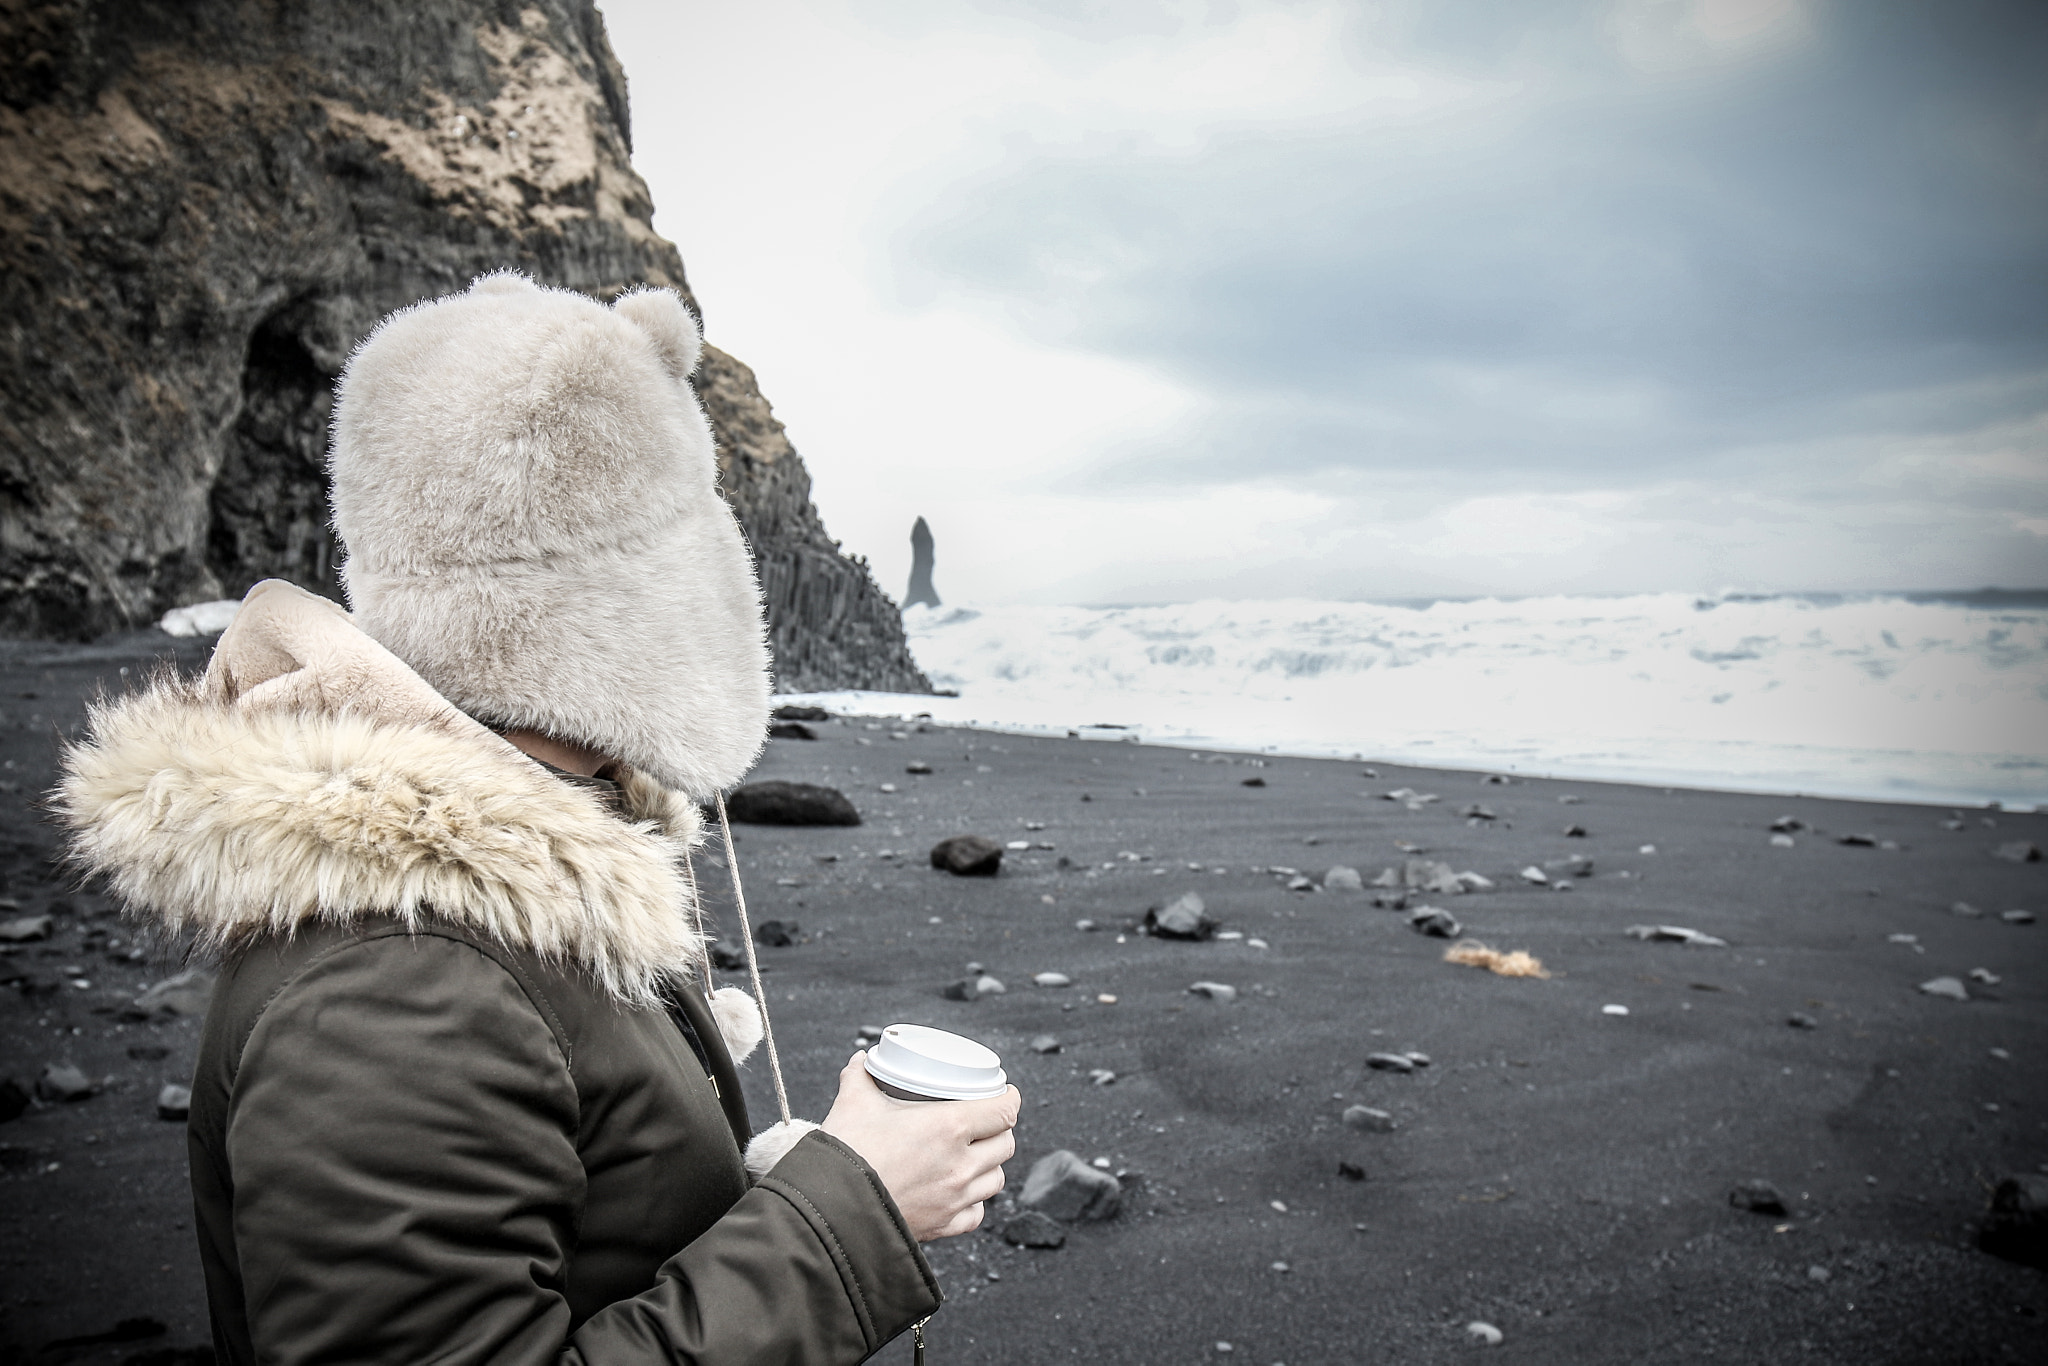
[1611, 271]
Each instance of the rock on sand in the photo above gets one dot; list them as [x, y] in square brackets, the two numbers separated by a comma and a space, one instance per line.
[1185, 917]
[1064, 1187]
[968, 856]
[780, 803]
[1758, 1196]
[1949, 988]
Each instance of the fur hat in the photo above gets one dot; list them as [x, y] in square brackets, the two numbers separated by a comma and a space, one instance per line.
[527, 492]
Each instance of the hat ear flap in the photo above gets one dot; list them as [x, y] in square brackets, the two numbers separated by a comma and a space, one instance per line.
[503, 282]
[670, 326]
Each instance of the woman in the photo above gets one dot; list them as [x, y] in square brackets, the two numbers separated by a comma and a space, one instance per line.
[459, 1097]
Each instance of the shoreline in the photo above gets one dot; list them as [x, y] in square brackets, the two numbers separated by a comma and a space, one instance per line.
[873, 705]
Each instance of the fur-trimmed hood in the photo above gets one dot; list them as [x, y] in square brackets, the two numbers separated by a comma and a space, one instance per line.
[310, 776]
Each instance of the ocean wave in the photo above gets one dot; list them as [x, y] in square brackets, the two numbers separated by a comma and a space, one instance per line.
[1893, 697]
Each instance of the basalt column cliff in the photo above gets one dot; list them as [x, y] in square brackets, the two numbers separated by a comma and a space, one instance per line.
[204, 205]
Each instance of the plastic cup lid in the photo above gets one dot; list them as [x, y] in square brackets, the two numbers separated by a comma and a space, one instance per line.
[932, 1062]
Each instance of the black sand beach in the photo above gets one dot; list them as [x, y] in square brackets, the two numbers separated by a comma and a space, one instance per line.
[1556, 1171]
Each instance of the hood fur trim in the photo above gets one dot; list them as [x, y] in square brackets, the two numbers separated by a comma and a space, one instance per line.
[256, 801]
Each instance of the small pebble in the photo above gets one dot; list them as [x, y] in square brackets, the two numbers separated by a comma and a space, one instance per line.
[1483, 1333]
[1215, 991]
[1045, 1043]
[62, 1081]
[1279, 1266]
[2017, 917]
[1389, 1062]
[1101, 1076]
[1279, 1206]
[1783, 841]
[1757, 1196]
[1647, 849]
[1819, 1275]
[1051, 979]
[1614, 1010]
[1984, 975]
[1105, 1000]
[1801, 1020]
[1949, 988]
[2001, 1054]
[1084, 924]
[1370, 1120]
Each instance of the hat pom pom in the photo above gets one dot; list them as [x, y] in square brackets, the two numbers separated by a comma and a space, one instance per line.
[773, 1143]
[739, 1022]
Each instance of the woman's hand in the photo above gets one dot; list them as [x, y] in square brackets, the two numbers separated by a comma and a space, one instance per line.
[941, 1160]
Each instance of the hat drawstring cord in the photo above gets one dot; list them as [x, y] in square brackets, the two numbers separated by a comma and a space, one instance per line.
[697, 923]
[739, 900]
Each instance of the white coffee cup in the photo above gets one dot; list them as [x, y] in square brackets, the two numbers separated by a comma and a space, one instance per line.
[917, 1062]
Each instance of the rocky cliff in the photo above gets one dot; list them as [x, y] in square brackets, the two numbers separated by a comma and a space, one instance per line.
[204, 204]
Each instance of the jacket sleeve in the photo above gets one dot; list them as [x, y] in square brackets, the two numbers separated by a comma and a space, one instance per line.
[402, 1138]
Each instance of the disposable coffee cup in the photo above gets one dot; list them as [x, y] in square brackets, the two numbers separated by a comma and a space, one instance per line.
[917, 1062]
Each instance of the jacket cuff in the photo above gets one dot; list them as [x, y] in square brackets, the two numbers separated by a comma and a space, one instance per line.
[887, 1279]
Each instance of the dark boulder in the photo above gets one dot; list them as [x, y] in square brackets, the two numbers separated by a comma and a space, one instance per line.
[777, 934]
[797, 712]
[790, 730]
[968, 856]
[779, 803]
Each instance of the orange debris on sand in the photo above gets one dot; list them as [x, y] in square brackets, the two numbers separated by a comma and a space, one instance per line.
[1474, 954]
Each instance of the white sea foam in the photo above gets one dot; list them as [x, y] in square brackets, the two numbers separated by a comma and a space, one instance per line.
[1882, 698]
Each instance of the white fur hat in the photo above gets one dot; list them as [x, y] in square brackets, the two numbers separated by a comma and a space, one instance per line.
[527, 492]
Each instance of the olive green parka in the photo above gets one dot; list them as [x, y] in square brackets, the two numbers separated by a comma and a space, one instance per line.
[458, 1098]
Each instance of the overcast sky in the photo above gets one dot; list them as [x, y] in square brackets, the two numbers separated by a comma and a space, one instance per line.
[1145, 301]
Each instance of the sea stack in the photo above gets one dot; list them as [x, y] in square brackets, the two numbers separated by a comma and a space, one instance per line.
[921, 590]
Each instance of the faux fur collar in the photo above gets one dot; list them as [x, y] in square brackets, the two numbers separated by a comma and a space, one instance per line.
[309, 776]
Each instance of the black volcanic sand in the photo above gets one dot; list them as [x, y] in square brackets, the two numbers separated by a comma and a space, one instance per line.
[1558, 1172]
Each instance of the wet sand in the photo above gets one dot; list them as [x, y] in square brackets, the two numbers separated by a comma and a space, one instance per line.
[1557, 1171]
